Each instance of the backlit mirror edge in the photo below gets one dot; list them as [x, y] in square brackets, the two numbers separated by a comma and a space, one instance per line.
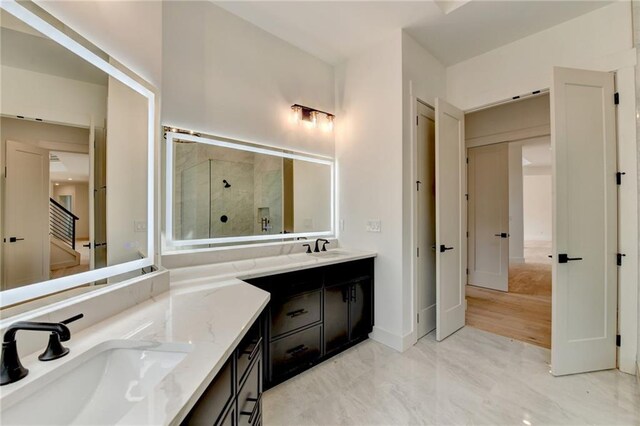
[169, 245]
[32, 291]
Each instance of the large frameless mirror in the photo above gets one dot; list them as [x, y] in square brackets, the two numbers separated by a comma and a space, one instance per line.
[76, 145]
[223, 192]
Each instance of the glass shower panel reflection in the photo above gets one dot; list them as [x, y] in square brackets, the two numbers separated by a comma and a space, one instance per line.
[194, 203]
[226, 193]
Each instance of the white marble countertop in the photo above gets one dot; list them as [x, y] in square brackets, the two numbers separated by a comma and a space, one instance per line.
[208, 307]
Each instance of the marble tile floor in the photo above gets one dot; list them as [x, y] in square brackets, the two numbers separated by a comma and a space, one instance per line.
[473, 377]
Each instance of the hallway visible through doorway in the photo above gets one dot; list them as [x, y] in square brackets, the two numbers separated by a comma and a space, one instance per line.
[524, 312]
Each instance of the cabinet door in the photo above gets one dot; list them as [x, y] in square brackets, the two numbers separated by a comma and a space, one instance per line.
[212, 404]
[230, 419]
[360, 309]
[336, 317]
[250, 397]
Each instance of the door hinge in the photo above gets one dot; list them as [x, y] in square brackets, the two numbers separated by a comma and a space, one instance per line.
[5, 172]
[418, 319]
[416, 120]
[467, 160]
[619, 257]
[418, 185]
[616, 98]
[417, 251]
[467, 234]
[619, 177]
[467, 270]
[618, 340]
[466, 196]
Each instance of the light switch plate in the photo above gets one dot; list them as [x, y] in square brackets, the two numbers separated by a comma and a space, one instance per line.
[342, 224]
[374, 226]
[140, 226]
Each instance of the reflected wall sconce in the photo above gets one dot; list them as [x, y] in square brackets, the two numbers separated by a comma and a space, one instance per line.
[310, 115]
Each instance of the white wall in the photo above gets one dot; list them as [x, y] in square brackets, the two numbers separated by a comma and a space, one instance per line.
[238, 81]
[537, 207]
[126, 173]
[51, 98]
[516, 207]
[424, 79]
[599, 40]
[369, 169]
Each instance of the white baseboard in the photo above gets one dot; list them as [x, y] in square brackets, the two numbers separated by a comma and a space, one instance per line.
[387, 338]
[394, 341]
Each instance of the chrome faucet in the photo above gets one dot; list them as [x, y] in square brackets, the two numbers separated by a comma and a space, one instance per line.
[11, 369]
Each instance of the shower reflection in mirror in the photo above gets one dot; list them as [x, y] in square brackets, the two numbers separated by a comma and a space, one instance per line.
[225, 190]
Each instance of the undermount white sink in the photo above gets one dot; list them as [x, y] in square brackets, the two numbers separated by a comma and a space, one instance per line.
[98, 387]
[330, 253]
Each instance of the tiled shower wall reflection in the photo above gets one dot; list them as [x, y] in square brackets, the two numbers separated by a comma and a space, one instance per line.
[207, 207]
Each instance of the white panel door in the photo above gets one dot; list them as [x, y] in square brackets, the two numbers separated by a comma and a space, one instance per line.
[584, 221]
[426, 212]
[451, 250]
[26, 233]
[488, 218]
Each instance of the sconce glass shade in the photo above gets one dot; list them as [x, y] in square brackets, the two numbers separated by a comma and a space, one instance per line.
[296, 113]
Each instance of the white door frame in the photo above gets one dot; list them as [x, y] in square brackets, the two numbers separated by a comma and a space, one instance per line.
[414, 212]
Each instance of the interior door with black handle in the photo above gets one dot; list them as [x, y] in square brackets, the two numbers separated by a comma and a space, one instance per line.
[502, 235]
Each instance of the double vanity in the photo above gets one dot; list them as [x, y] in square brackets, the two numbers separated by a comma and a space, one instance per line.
[204, 351]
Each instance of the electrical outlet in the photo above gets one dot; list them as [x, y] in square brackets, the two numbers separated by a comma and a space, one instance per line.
[374, 226]
[140, 226]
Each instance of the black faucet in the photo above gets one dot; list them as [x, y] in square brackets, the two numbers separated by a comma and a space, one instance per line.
[308, 246]
[11, 369]
[324, 248]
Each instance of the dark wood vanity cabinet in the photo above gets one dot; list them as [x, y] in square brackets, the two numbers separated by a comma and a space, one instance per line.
[234, 396]
[347, 313]
[314, 314]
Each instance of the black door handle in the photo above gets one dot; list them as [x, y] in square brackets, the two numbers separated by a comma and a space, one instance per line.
[502, 235]
[564, 258]
[443, 248]
[14, 239]
[87, 245]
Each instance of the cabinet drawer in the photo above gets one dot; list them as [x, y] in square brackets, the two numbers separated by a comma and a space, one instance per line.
[296, 351]
[348, 271]
[250, 396]
[249, 349]
[296, 312]
[211, 405]
[297, 282]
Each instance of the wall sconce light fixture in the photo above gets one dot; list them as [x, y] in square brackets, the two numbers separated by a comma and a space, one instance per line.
[310, 115]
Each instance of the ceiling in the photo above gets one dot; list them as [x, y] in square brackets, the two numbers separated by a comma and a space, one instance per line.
[67, 167]
[24, 48]
[334, 30]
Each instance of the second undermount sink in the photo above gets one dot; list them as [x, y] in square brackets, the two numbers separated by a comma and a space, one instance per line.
[330, 253]
[98, 387]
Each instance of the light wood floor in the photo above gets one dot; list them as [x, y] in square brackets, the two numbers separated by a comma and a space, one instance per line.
[524, 313]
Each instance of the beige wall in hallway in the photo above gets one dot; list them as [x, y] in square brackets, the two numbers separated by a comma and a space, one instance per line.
[80, 198]
[537, 207]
